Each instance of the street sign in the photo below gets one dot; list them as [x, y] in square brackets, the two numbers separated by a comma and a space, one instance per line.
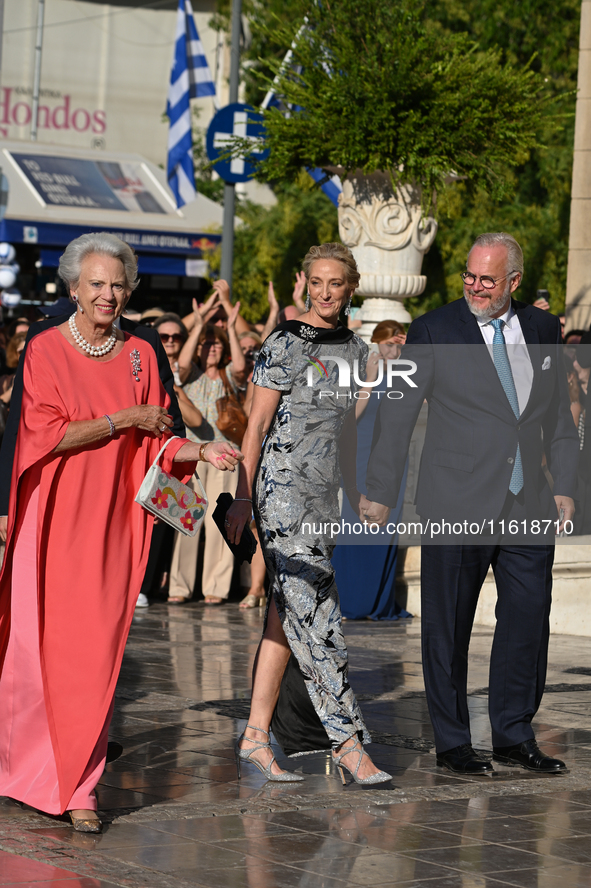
[235, 120]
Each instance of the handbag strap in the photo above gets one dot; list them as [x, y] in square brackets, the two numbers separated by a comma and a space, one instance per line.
[161, 451]
[231, 394]
[226, 383]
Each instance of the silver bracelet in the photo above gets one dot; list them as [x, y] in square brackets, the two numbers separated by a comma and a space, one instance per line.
[242, 499]
[111, 424]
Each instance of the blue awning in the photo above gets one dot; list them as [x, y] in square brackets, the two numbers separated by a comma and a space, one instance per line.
[53, 234]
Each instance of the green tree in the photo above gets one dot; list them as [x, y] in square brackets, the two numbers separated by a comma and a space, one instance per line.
[535, 180]
[537, 211]
[381, 88]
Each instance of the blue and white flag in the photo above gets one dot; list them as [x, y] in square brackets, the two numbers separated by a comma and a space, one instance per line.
[331, 186]
[190, 78]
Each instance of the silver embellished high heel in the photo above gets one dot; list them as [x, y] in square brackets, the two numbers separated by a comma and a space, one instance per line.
[245, 755]
[380, 777]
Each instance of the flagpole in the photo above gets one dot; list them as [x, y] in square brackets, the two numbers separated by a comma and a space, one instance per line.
[284, 65]
[37, 74]
[229, 187]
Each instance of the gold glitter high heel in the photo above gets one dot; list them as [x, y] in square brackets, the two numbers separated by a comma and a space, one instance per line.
[251, 601]
[93, 825]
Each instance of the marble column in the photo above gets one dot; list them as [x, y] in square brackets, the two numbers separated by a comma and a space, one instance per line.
[388, 235]
[578, 282]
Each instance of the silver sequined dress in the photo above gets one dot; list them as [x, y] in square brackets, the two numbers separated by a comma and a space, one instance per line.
[295, 500]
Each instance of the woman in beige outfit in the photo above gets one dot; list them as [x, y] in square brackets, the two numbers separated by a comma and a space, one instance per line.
[213, 351]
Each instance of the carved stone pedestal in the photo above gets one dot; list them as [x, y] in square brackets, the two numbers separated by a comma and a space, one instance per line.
[388, 235]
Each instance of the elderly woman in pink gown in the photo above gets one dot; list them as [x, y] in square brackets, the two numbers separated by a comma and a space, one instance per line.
[94, 411]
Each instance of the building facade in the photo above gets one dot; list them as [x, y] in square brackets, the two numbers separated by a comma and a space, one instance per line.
[104, 75]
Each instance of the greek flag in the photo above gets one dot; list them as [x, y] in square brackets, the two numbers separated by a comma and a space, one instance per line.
[332, 186]
[190, 78]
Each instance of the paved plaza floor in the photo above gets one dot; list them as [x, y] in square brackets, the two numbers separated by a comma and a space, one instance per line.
[175, 814]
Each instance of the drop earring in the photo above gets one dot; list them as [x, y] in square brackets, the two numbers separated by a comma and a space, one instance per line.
[77, 304]
[308, 303]
[348, 307]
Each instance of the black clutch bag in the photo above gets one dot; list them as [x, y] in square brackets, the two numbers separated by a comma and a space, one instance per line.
[247, 546]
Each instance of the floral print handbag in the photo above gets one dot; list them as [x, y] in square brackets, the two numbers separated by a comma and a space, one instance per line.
[172, 501]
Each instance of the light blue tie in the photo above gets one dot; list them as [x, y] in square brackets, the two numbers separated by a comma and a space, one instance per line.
[503, 368]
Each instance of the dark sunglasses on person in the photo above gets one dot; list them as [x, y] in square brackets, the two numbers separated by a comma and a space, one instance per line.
[171, 337]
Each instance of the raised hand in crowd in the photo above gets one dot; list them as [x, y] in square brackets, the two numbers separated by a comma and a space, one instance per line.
[271, 322]
[201, 313]
[299, 290]
[238, 359]
[195, 327]
[222, 288]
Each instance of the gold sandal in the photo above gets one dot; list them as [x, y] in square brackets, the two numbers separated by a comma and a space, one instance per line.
[94, 825]
[253, 601]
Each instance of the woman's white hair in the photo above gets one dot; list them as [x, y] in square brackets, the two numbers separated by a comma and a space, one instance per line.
[104, 244]
[502, 239]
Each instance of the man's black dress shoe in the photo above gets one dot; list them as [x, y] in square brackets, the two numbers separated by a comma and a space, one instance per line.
[528, 755]
[463, 760]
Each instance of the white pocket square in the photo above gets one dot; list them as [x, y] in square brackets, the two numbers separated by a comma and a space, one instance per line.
[547, 363]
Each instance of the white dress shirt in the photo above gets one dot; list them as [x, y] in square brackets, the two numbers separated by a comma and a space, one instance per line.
[517, 352]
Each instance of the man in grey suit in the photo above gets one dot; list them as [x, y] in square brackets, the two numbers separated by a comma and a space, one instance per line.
[491, 370]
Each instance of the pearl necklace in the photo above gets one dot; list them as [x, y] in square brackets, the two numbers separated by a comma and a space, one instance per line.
[93, 350]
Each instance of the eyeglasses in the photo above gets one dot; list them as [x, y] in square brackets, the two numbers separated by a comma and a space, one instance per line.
[486, 280]
[171, 337]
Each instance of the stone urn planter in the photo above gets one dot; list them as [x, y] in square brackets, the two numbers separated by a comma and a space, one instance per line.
[388, 235]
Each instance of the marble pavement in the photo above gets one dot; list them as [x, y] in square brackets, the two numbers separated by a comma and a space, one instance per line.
[175, 814]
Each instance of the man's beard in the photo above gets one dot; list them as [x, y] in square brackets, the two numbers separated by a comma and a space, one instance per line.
[495, 305]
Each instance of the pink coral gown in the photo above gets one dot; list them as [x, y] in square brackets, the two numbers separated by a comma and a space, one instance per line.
[75, 558]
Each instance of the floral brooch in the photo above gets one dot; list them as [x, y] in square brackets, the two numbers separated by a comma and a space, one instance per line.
[308, 332]
[136, 363]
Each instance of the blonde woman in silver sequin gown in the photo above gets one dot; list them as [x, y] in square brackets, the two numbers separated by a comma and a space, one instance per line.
[300, 438]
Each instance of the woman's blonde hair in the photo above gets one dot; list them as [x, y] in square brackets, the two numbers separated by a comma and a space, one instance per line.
[333, 251]
[250, 334]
